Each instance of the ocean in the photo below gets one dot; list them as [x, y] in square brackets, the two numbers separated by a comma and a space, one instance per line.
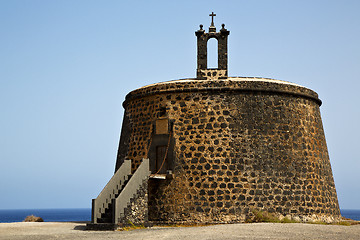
[84, 214]
[49, 215]
[351, 213]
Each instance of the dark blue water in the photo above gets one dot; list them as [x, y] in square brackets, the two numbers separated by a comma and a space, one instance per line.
[84, 214]
[351, 213]
[49, 215]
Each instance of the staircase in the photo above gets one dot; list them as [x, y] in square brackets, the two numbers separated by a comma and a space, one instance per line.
[109, 207]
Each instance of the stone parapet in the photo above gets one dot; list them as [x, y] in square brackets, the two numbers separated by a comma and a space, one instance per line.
[243, 84]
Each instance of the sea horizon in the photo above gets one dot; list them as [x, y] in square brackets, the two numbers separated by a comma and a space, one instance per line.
[47, 214]
[84, 214]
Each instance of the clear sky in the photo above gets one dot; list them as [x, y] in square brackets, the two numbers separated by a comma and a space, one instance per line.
[66, 66]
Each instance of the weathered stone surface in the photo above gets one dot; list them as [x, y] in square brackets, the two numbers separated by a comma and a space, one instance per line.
[237, 144]
[137, 211]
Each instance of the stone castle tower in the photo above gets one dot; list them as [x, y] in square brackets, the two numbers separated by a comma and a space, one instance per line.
[214, 148]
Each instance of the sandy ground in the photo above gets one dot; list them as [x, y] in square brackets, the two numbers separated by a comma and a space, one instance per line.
[75, 231]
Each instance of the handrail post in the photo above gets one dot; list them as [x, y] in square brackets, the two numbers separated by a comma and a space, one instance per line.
[93, 214]
[114, 220]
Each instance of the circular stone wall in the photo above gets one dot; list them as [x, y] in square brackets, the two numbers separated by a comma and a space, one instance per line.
[236, 145]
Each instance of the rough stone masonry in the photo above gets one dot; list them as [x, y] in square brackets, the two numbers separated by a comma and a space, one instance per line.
[222, 146]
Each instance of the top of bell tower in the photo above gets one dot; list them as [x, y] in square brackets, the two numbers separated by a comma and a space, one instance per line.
[203, 72]
[212, 27]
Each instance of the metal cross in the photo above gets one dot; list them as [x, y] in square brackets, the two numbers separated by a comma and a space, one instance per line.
[212, 15]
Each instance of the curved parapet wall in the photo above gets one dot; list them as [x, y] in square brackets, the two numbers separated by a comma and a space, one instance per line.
[242, 84]
[236, 144]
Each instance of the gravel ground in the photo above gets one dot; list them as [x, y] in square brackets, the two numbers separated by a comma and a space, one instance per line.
[75, 231]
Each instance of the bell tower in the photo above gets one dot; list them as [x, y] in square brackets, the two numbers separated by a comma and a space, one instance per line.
[203, 72]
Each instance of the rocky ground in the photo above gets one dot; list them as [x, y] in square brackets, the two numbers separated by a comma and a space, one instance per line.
[75, 231]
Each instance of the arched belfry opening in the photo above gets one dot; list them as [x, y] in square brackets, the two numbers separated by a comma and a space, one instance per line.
[212, 53]
[203, 72]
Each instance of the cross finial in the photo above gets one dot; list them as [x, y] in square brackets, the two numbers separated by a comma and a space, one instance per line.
[212, 15]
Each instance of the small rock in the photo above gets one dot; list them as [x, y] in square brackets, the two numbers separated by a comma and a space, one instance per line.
[33, 218]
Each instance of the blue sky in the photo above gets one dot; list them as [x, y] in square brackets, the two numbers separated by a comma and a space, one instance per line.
[66, 66]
